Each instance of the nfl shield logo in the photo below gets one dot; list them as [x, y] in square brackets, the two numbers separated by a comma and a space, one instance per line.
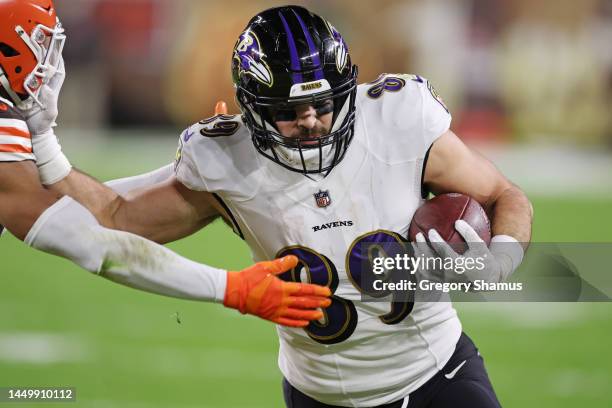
[322, 198]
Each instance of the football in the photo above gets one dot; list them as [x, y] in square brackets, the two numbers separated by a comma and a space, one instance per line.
[441, 212]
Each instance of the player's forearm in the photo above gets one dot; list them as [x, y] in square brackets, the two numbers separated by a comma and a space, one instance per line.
[149, 224]
[68, 230]
[164, 212]
[98, 198]
[512, 215]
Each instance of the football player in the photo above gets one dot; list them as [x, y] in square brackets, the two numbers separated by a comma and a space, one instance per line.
[31, 74]
[316, 165]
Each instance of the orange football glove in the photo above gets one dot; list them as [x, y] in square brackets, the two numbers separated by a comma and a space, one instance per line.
[221, 108]
[257, 291]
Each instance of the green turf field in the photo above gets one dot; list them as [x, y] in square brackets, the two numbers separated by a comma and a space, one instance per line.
[60, 326]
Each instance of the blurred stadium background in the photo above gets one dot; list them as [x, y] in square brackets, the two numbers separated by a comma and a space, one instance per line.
[528, 82]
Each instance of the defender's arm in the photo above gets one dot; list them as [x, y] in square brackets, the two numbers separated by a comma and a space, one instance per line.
[65, 228]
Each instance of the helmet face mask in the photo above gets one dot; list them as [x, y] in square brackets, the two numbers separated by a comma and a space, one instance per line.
[47, 45]
[288, 58]
[32, 42]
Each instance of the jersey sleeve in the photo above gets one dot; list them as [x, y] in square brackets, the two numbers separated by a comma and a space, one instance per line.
[15, 138]
[436, 121]
[218, 156]
[186, 167]
[436, 116]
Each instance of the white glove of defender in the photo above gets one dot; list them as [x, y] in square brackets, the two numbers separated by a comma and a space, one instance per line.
[53, 166]
[491, 264]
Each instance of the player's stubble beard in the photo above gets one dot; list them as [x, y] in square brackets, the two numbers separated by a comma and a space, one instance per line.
[309, 143]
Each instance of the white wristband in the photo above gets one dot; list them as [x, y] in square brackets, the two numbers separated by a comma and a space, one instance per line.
[55, 170]
[509, 252]
[52, 164]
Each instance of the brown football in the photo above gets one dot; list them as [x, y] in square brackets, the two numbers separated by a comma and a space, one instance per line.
[441, 212]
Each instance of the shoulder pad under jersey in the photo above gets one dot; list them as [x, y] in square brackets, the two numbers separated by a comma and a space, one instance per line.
[403, 115]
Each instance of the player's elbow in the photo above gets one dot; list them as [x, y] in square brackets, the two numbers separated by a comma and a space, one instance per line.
[114, 215]
[504, 191]
[512, 196]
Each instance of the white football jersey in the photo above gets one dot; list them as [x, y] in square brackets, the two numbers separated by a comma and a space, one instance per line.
[364, 353]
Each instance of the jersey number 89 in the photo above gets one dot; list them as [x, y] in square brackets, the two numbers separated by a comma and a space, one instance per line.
[340, 318]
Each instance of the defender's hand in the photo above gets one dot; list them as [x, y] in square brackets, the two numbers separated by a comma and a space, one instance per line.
[257, 291]
[41, 119]
[52, 164]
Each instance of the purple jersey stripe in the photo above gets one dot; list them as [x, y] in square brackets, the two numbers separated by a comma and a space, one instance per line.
[295, 61]
[311, 48]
